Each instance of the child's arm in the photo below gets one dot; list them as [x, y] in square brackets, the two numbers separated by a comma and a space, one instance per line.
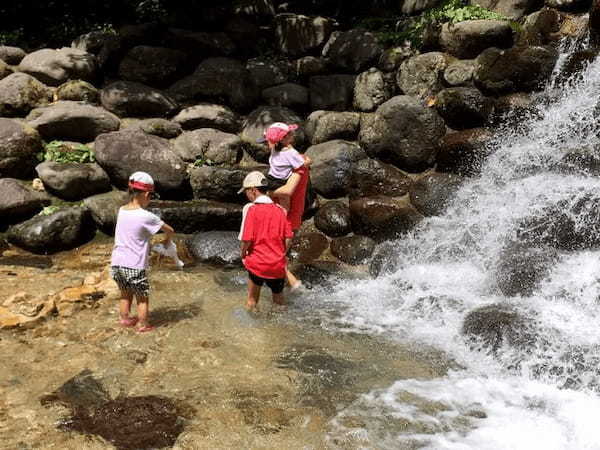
[307, 161]
[168, 230]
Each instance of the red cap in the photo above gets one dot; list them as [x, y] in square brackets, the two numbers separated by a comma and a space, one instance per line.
[141, 181]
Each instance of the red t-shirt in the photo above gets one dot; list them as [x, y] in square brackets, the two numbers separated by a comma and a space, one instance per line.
[267, 228]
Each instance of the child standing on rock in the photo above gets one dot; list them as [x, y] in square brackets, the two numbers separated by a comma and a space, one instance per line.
[131, 252]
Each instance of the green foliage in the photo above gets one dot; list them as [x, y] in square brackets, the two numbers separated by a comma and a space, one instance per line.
[203, 162]
[49, 210]
[60, 152]
[11, 37]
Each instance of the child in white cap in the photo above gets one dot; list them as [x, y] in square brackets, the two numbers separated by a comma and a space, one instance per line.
[131, 252]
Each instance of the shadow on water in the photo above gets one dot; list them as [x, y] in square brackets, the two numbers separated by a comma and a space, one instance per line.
[38, 262]
[165, 315]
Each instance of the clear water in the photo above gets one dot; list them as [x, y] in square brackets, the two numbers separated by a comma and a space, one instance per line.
[447, 269]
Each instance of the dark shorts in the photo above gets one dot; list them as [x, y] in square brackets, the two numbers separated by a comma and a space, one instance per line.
[133, 281]
[274, 183]
[275, 284]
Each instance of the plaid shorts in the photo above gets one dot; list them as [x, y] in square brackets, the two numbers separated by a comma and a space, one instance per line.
[130, 280]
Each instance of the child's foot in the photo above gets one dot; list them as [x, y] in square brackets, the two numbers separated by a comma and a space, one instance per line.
[145, 329]
[129, 321]
[251, 307]
[297, 286]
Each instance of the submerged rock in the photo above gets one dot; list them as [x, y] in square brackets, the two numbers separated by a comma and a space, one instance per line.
[431, 193]
[382, 217]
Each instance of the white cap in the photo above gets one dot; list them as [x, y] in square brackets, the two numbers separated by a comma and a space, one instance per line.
[141, 181]
[253, 179]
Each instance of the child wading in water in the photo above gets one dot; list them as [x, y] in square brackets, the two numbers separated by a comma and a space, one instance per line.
[131, 253]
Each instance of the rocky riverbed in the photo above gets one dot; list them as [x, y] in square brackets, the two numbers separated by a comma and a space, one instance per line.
[211, 375]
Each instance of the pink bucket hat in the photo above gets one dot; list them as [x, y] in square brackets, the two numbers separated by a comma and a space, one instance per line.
[277, 131]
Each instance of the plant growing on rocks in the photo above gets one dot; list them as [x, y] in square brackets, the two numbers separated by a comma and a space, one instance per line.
[59, 151]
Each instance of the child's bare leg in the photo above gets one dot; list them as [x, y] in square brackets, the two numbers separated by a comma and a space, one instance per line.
[292, 280]
[125, 304]
[142, 309]
[253, 295]
[279, 299]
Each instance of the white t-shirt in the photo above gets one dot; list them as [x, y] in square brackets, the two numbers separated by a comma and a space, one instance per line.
[134, 229]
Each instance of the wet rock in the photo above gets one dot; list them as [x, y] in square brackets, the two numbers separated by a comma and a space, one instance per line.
[513, 9]
[460, 73]
[371, 89]
[333, 219]
[371, 177]
[231, 280]
[198, 215]
[463, 152]
[212, 147]
[385, 260]
[298, 34]
[291, 95]
[23, 310]
[18, 202]
[153, 66]
[513, 109]
[160, 127]
[308, 246]
[594, 21]
[463, 107]
[382, 217]
[321, 274]
[131, 99]
[494, 326]
[352, 249]
[73, 181]
[518, 69]
[431, 193]
[64, 229]
[265, 73]
[54, 67]
[75, 121]
[19, 145]
[78, 91]
[353, 50]
[11, 55]
[521, 268]
[123, 152]
[575, 65]
[218, 183]
[20, 93]
[104, 208]
[540, 27]
[584, 161]
[215, 247]
[469, 38]
[331, 169]
[331, 92]
[208, 115]
[423, 75]
[323, 126]
[403, 132]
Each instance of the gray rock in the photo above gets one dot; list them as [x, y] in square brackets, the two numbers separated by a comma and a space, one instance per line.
[385, 260]
[422, 75]
[392, 57]
[104, 209]
[464, 107]
[331, 92]
[353, 50]
[62, 230]
[19, 145]
[54, 67]
[469, 38]
[297, 35]
[265, 72]
[5, 70]
[198, 215]
[333, 219]
[291, 95]
[73, 121]
[123, 152]
[218, 183]
[130, 99]
[73, 181]
[308, 66]
[92, 42]
[460, 73]
[463, 152]
[371, 177]
[383, 218]
[160, 127]
[432, 192]
[20, 93]
[323, 126]
[18, 202]
[404, 132]
[208, 115]
[512, 9]
[153, 66]
[79, 91]
[333, 163]
[353, 249]
[540, 27]
[211, 146]
[371, 90]
[215, 247]
[11, 55]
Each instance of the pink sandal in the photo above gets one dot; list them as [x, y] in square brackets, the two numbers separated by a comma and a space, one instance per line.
[145, 329]
[129, 322]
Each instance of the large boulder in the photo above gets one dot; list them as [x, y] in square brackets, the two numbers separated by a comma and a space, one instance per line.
[371, 89]
[78, 91]
[198, 215]
[463, 152]
[518, 69]
[153, 66]
[460, 73]
[208, 115]
[210, 146]
[54, 67]
[332, 166]
[130, 99]
[104, 209]
[423, 75]
[266, 72]
[541, 27]
[354, 50]
[218, 183]
[123, 152]
[309, 66]
[11, 55]
[463, 107]
[331, 92]
[19, 145]
[5, 70]
[18, 202]
[20, 93]
[371, 177]
[215, 247]
[333, 219]
[432, 192]
[352, 250]
[92, 42]
[469, 38]
[64, 229]
[72, 121]
[404, 132]
[158, 127]
[392, 57]
[323, 126]
[297, 35]
[291, 95]
[218, 78]
[308, 246]
[512, 9]
[383, 218]
[73, 181]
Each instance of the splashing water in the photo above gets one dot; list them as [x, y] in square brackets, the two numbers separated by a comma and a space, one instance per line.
[543, 396]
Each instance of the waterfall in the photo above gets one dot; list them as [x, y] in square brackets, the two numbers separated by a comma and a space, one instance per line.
[540, 395]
